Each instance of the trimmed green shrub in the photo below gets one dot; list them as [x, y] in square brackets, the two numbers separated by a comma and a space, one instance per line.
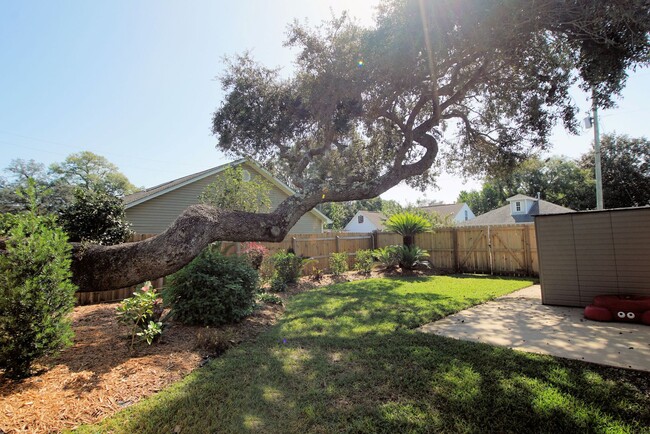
[412, 256]
[213, 289]
[338, 263]
[287, 269]
[388, 256]
[95, 217]
[36, 294]
[364, 261]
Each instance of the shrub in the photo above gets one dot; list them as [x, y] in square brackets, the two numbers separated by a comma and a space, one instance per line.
[364, 261]
[287, 269]
[407, 225]
[36, 294]
[255, 254]
[96, 217]
[213, 289]
[265, 297]
[142, 313]
[388, 256]
[412, 256]
[338, 263]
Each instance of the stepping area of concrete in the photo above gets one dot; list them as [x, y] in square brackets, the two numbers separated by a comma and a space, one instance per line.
[520, 321]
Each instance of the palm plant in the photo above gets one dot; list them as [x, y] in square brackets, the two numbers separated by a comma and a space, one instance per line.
[407, 225]
[410, 257]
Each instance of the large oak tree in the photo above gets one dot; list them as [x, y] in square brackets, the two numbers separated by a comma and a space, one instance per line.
[365, 108]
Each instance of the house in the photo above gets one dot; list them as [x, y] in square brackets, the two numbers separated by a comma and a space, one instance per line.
[366, 221]
[456, 212]
[153, 210]
[520, 209]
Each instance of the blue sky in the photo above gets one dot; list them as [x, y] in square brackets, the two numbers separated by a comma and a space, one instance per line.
[134, 81]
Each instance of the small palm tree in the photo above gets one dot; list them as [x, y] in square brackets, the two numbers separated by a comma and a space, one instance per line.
[407, 225]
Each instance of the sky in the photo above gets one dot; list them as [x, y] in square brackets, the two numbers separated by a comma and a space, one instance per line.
[136, 82]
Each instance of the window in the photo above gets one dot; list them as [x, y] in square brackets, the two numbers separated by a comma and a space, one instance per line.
[518, 206]
[466, 215]
[360, 219]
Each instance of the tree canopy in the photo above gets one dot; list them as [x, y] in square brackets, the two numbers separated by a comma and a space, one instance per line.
[367, 107]
[625, 164]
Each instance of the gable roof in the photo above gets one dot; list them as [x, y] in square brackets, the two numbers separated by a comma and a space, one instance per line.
[141, 196]
[444, 209]
[521, 197]
[503, 215]
[376, 218]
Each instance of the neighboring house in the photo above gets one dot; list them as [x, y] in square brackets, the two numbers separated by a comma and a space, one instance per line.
[366, 221]
[153, 210]
[457, 212]
[520, 209]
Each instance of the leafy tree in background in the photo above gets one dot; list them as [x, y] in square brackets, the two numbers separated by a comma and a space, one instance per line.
[91, 172]
[55, 186]
[557, 179]
[365, 107]
[95, 216]
[625, 165]
[231, 192]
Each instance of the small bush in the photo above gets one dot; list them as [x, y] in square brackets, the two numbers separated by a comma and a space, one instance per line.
[36, 294]
[412, 256]
[338, 263]
[265, 297]
[388, 256]
[364, 261]
[255, 254]
[288, 267]
[142, 313]
[215, 342]
[213, 289]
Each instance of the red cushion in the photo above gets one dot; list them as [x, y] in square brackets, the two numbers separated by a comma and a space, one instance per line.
[598, 313]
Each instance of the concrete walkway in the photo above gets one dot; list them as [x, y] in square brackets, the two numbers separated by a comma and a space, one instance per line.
[520, 321]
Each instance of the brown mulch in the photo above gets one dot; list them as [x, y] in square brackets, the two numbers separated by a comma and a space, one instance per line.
[100, 374]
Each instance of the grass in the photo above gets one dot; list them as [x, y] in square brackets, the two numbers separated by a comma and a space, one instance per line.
[346, 358]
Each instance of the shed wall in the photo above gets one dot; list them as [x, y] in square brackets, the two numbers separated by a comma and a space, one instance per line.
[593, 253]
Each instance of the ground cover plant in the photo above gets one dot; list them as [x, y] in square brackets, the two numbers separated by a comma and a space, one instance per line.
[346, 358]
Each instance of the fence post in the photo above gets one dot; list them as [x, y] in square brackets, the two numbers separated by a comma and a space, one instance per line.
[338, 244]
[454, 236]
[528, 256]
[293, 245]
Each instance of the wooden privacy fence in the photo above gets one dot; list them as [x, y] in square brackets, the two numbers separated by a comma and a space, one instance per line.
[316, 246]
[320, 246]
[503, 249]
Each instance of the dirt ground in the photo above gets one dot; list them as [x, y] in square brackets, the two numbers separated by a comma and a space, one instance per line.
[100, 374]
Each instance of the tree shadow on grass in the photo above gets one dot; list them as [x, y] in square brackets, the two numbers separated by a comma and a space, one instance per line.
[381, 378]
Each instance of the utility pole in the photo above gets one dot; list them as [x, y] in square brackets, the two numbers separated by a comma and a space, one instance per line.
[599, 176]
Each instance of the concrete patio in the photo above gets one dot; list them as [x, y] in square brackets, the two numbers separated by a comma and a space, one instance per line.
[520, 321]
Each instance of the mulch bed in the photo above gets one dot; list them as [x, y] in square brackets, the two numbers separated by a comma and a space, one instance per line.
[100, 374]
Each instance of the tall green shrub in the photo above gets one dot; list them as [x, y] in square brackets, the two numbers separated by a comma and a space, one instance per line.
[36, 295]
[287, 269]
[213, 289]
[96, 217]
[338, 263]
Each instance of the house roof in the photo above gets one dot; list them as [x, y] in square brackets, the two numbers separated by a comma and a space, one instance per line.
[520, 197]
[503, 215]
[444, 209]
[376, 218]
[141, 196]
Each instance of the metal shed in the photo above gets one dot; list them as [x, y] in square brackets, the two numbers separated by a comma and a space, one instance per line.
[590, 253]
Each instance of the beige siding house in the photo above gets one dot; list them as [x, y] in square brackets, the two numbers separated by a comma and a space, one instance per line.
[153, 210]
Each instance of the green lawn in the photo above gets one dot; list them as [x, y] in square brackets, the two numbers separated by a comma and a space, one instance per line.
[345, 358]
